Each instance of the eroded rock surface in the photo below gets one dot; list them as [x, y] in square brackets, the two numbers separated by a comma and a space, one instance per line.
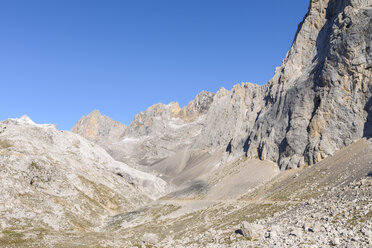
[99, 128]
[318, 100]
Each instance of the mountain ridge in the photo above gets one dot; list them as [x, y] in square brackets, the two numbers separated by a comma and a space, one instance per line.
[291, 119]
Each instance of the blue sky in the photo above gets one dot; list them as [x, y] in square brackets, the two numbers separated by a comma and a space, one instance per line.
[61, 59]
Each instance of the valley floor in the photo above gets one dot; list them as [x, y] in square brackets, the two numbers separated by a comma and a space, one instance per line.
[328, 204]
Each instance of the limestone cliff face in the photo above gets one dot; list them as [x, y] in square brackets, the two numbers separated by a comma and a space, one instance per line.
[99, 128]
[318, 101]
[200, 105]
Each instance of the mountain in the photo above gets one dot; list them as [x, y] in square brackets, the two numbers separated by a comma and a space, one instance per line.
[58, 181]
[285, 164]
[318, 101]
[99, 128]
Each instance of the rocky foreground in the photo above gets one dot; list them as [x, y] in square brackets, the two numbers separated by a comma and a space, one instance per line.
[57, 180]
[325, 205]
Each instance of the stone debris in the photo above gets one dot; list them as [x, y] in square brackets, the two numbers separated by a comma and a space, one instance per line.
[250, 230]
[150, 239]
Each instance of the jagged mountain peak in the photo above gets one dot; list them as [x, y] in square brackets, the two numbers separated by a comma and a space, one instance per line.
[99, 128]
[95, 112]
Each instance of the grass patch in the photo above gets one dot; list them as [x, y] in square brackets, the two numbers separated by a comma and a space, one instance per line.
[11, 237]
[103, 196]
[357, 219]
[4, 144]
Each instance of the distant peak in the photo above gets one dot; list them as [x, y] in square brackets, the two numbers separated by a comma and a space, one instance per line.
[95, 113]
[26, 119]
[98, 127]
[204, 92]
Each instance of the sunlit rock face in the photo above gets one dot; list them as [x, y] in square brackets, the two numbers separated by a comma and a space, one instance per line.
[99, 128]
[318, 100]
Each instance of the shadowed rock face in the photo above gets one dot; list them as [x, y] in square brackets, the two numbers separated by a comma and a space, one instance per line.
[318, 101]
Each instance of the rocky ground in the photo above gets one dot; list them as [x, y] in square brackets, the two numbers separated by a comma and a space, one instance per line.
[57, 181]
[324, 205]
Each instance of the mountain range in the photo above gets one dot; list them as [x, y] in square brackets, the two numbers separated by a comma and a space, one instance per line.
[284, 164]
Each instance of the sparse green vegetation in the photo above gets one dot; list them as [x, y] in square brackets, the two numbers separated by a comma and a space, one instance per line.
[34, 166]
[11, 237]
[4, 144]
[357, 218]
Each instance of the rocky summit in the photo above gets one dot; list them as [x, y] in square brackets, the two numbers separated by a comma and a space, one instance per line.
[285, 164]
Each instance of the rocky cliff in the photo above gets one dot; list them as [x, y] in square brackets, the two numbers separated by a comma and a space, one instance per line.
[318, 101]
[99, 128]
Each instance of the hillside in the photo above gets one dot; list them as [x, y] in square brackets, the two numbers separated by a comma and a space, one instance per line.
[58, 181]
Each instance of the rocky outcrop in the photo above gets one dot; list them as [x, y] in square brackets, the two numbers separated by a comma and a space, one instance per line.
[99, 128]
[250, 230]
[318, 101]
[200, 105]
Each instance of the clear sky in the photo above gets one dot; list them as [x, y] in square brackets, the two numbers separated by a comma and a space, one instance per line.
[61, 59]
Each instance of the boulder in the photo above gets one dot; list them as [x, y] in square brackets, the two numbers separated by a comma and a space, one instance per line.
[251, 230]
[150, 238]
